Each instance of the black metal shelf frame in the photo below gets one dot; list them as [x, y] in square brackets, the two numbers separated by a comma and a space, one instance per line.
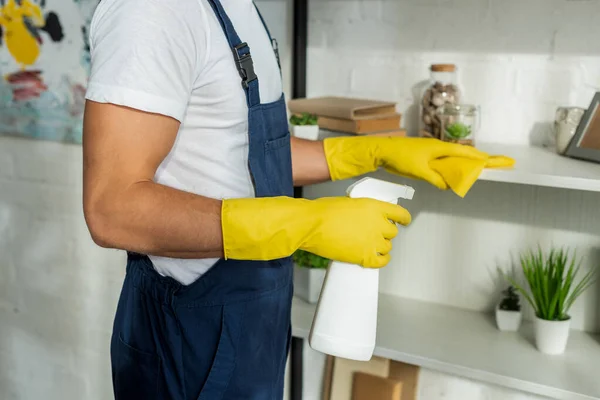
[300, 42]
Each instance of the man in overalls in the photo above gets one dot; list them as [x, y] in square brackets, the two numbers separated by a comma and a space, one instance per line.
[189, 166]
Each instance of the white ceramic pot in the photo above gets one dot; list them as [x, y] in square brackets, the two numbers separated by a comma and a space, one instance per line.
[508, 321]
[310, 132]
[551, 336]
[308, 283]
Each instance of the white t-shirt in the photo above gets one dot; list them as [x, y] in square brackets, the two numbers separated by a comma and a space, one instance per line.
[171, 57]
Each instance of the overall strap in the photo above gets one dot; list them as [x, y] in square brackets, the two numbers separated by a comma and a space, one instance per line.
[241, 55]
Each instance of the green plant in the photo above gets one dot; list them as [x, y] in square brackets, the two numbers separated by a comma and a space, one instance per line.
[309, 260]
[458, 131]
[510, 302]
[303, 119]
[551, 279]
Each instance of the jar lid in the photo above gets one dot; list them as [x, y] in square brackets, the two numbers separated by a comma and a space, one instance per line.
[443, 67]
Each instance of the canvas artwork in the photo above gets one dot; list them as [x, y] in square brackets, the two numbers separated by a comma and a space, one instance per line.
[44, 65]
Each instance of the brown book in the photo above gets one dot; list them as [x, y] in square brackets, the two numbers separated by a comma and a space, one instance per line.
[343, 107]
[371, 387]
[401, 132]
[360, 126]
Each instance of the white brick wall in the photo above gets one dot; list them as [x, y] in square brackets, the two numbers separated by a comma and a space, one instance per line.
[517, 58]
[58, 291]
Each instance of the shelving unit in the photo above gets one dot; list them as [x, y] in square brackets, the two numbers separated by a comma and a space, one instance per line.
[542, 167]
[536, 166]
[468, 344]
[461, 342]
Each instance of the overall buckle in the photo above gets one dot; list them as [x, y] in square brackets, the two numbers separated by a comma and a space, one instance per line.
[244, 64]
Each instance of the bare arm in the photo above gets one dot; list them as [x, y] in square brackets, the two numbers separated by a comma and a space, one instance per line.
[308, 162]
[123, 207]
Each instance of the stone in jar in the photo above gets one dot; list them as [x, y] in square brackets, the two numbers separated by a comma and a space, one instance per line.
[441, 91]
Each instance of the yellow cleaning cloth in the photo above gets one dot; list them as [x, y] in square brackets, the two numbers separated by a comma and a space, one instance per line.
[461, 173]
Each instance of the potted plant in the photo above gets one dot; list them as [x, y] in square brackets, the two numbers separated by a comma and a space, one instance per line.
[458, 131]
[309, 273]
[508, 312]
[552, 291]
[305, 126]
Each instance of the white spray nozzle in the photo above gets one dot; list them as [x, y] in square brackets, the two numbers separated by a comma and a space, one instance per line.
[379, 190]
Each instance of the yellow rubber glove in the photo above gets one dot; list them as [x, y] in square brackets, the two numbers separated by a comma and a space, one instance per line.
[356, 231]
[352, 156]
[461, 173]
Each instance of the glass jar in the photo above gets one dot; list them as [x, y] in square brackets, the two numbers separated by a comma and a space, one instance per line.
[459, 123]
[566, 121]
[442, 89]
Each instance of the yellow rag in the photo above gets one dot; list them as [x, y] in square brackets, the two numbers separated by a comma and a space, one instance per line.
[461, 173]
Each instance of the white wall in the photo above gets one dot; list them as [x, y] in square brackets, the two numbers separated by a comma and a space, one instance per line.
[519, 60]
[58, 291]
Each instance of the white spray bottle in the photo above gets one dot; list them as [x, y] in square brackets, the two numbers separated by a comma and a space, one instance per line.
[345, 322]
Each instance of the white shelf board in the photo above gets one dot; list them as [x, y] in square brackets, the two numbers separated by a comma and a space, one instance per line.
[542, 167]
[468, 344]
[536, 166]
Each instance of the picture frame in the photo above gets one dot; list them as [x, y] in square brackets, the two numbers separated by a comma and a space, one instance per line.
[585, 144]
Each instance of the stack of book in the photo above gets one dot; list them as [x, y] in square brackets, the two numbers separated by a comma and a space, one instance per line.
[351, 115]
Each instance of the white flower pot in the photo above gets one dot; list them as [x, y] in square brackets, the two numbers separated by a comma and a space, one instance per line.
[308, 283]
[508, 321]
[551, 336]
[310, 132]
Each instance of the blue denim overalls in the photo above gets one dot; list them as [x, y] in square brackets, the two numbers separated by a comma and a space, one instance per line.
[226, 335]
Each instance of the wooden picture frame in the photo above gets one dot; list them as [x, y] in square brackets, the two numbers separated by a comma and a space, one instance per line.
[585, 144]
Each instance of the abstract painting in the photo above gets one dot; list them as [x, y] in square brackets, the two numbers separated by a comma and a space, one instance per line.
[44, 66]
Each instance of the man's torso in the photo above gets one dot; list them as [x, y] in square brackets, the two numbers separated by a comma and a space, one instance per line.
[210, 154]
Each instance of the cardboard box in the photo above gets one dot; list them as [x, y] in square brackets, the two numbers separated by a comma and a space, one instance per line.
[371, 387]
[343, 374]
[408, 374]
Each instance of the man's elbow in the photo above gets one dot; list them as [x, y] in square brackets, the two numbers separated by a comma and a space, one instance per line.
[97, 218]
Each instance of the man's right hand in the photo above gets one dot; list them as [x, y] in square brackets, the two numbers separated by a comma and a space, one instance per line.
[357, 231]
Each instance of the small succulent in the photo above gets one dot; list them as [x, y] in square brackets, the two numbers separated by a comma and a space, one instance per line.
[309, 260]
[458, 131]
[510, 302]
[303, 119]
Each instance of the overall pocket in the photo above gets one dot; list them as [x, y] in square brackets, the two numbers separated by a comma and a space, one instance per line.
[226, 356]
[135, 373]
[279, 166]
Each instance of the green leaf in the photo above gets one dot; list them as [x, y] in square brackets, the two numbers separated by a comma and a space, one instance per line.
[522, 291]
[303, 119]
[309, 260]
[458, 131]
[551, 279]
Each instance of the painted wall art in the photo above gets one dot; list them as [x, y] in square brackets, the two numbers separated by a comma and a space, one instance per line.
[44, 65]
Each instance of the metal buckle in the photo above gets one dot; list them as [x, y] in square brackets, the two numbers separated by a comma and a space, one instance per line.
[244, 65]
[276, 51]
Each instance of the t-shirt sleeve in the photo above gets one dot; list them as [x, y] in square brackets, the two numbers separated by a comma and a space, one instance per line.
[145, 54]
